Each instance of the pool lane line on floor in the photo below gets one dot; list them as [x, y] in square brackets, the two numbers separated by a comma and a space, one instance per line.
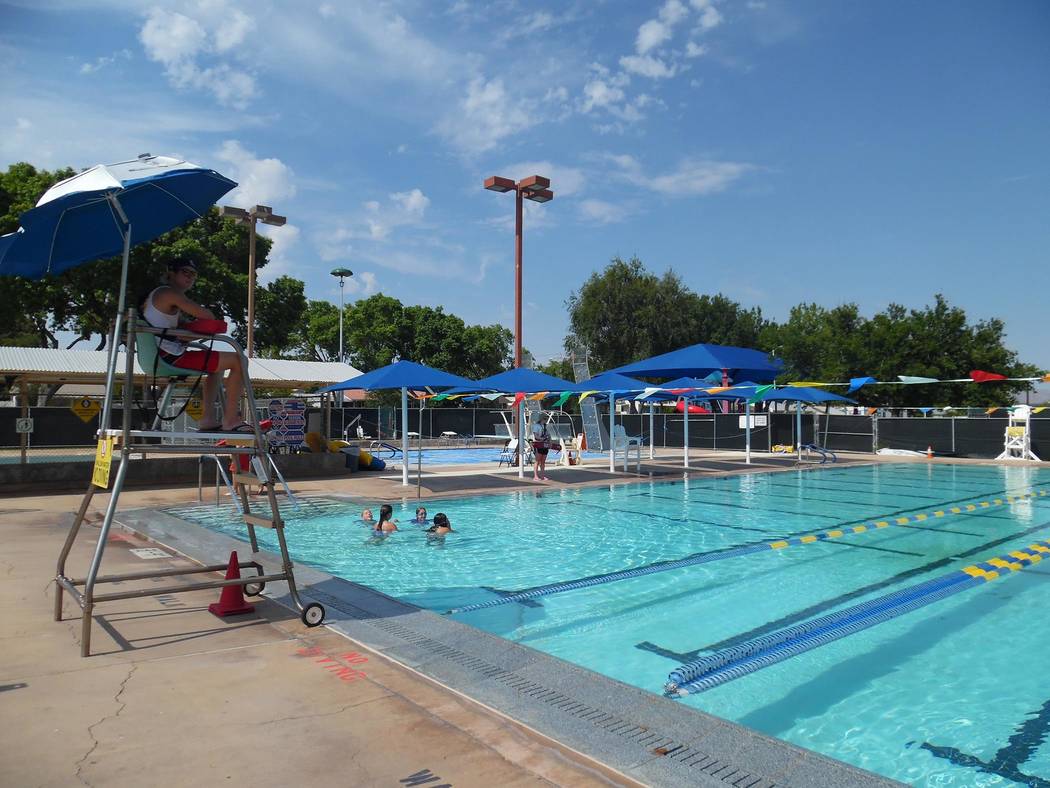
[721, 667]
[732, 552]
[829, 604]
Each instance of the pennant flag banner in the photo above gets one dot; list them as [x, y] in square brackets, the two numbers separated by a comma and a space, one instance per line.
[714, 377]
[808, 384]
[649, 392]
[924, 411]
[518, 398]
[718, 389]
[1046, 378]
[912, 380]
[439, 397]
[990, 411]
[872, 411]
[856, 383]
[539, 396]
[586, 394]
[562, 399]
[759, 391]
[980, 376]
[1038, 410]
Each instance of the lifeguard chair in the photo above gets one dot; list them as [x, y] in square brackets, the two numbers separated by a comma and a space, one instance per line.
[1018, 442]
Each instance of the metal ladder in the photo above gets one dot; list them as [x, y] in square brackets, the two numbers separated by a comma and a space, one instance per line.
[135, 441]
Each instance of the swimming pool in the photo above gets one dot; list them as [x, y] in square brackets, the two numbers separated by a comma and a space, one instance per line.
[472, 456]
[954, 693]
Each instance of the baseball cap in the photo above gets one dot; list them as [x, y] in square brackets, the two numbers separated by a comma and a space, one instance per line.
[178, 263]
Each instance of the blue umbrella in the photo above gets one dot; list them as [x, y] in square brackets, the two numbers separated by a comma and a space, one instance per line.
[93, 214]
[102, 212]
[403, 375]
[701, 360]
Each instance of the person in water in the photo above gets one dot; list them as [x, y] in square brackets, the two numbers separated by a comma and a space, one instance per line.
[367, 517]
[421, 515]
[387, 523]
[441, 525]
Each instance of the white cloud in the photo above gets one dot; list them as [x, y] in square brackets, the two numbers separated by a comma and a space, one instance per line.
[654, 32]
[698, 176]
[647, 66]
[105, 60]
[485, 116]
[178, 41]
[404, 208]
[600, 94]
[326, 10]
[693, 49]
[281, 260]
[710, 17]
[601, 212]
[261, 181]
[363, 283]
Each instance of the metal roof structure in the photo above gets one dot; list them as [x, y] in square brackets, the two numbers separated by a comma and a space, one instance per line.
[54, 365]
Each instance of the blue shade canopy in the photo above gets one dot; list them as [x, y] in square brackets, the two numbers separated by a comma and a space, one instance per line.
[702, 360]
[610, 381]
[520, 379]
[76, 220]
[401, 374]
[803, 394]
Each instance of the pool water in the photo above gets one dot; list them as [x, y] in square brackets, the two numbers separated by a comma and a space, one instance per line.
[955, 693]
[470, 456]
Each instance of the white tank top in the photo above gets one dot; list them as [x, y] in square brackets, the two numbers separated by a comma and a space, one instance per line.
[159, 319]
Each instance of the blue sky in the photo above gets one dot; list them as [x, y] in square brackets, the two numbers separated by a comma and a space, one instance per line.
[777, 152]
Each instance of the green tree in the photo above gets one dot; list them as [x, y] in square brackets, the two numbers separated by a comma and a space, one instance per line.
[279, 309]
[625, 313]
[317, 335]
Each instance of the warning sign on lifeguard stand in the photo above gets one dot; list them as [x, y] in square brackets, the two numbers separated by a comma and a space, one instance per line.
[289, 422]
[103, 461]
[85, 408]
[195, 409]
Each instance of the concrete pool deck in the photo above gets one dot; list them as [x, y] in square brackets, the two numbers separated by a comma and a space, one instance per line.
[385, 694]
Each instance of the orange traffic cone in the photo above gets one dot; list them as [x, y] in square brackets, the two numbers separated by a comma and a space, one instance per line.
[929, 452]
[231, 601]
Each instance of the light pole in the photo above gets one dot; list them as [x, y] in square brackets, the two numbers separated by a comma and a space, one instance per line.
[537, 189]
[259, 213]
[341, 273]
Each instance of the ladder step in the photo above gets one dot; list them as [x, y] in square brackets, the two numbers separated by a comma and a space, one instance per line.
[262, 522]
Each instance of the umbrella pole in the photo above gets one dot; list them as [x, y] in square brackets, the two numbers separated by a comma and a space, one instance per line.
[521, 439]
[404, 436]
[612, 427]
[111, 362]
[419, 452]
[747, 432]
[685, 438]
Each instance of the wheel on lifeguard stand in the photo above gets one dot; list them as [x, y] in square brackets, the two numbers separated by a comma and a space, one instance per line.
[313, 614]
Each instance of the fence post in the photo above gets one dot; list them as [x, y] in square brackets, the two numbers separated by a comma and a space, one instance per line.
[714, 431]
[875, 433]
[953, 434]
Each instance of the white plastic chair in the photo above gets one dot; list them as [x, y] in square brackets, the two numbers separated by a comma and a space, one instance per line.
[621, 441]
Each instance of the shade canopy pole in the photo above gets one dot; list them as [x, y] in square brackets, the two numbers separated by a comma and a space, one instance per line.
[652, 433]
[521, 439]
[747, 432]
[612, 426]
[404, 436]
[685, 439]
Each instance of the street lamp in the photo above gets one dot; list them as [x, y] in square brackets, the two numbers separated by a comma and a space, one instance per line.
[537, 189]
[259, 213]
[341, 273]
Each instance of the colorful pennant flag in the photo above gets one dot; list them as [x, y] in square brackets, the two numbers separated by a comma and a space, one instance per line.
[439, 397]
[562, 399]
[539, 396]
[518, 398]
[586, 394]
[714, 377]
[912, 380]
[1046, 378]
[980, 376]
[872, 411]
[1039, 409]
[990, 411]
[759, 391]
[649, 392]
[856, 383]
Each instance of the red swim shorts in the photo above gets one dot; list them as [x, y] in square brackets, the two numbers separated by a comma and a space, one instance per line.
[197, 360]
